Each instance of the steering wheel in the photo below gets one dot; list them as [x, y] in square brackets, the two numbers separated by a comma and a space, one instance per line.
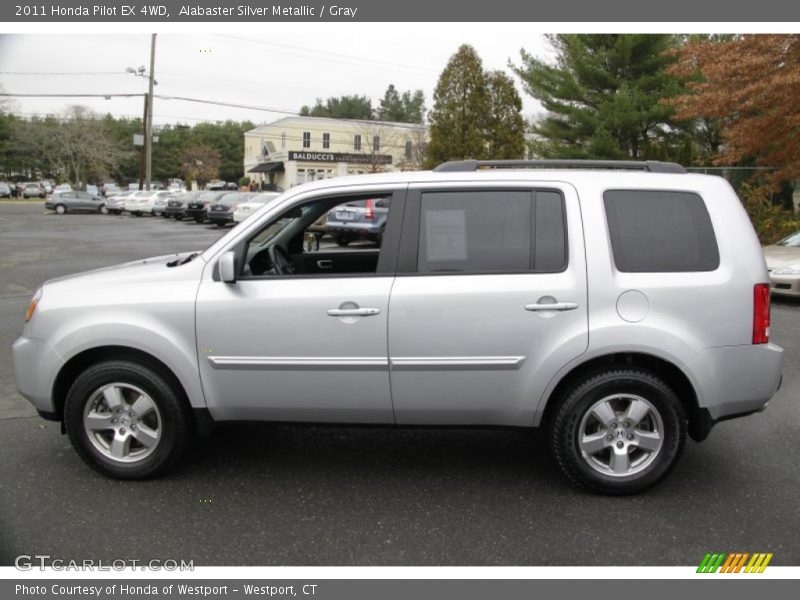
[280, 260]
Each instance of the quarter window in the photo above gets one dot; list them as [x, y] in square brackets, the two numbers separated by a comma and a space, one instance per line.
[660, 231]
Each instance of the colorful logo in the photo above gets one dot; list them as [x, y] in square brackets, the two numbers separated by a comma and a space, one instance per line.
[736, 562]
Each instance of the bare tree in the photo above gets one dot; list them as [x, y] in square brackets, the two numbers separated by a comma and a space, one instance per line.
[81, 147]
[201, 163]
[378, 140]
[415, 149]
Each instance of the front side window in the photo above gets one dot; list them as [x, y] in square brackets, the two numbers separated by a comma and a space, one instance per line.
[306, 139]
[328, 236]
[491, 232]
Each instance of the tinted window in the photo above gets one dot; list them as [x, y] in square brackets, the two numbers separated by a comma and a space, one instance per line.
[660, 231]
[491, 231]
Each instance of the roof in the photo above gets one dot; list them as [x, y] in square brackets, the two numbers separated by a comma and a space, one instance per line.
[344, 122]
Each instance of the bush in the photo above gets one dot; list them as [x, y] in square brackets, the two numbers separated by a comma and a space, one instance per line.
[244, 182]
[771, 221]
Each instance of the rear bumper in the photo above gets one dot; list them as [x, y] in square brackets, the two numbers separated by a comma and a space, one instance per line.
[785, 285]
[220, 217]
[353, 229]
[733, 381]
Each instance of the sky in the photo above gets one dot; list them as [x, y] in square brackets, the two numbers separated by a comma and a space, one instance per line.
[281, 67]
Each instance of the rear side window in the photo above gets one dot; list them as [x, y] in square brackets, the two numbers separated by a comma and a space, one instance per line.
[491, 231]
[660, 231]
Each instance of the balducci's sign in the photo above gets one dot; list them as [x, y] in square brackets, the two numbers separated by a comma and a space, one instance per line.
[367, 159]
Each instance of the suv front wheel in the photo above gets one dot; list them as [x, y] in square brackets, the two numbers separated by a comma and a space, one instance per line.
[126, 420]
[619, 431]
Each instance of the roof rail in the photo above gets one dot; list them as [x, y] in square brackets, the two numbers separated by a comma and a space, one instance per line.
[652, 166]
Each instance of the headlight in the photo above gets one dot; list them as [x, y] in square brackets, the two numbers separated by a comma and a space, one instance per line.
[790, 270]
[32, 306]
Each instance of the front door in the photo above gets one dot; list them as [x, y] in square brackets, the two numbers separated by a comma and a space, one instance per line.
[292, 342]
[489, 303]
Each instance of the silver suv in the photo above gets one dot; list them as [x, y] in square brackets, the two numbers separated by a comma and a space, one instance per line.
[618, 306]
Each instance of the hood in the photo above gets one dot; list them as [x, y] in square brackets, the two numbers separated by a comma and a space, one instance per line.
[137, 271]
[781, 256]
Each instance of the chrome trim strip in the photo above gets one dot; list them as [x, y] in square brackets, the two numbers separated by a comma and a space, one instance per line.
[284, 363]
[453, 363]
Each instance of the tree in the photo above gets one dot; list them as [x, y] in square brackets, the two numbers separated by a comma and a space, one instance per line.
[406, 108]
[749, 86]
[505, 127]
[475, 114]
[602, 97]
[200, 162]
[344, 107]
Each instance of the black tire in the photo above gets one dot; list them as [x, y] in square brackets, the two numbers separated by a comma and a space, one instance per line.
[341, 241]
[174, 418]
[586, 470]
[61, 209]
[179, 217]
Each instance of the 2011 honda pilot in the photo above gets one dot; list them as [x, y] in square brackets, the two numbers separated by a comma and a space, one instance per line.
[620, 306]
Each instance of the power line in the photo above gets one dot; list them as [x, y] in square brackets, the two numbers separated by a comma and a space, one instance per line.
[49, 73]
[7, 95]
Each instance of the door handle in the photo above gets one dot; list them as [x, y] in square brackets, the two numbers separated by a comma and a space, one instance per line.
[561, 306]
[353, 312]
[325, 264]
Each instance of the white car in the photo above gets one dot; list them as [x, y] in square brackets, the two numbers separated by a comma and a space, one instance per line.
[144, 201]
[246, 209]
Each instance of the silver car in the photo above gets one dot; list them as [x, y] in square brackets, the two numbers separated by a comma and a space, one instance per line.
[620, 307]
[783, 263]
[74, 202]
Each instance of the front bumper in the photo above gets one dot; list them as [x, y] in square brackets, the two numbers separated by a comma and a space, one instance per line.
[36, 364]
[220, 217]
[785, 285]
[197, 213]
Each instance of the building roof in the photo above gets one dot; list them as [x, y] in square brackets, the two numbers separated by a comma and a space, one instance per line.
[326, 120]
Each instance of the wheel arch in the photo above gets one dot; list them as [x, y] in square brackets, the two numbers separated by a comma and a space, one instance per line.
[700, 422]
[84, 359]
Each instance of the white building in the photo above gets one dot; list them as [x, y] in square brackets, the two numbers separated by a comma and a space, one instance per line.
[293, 150]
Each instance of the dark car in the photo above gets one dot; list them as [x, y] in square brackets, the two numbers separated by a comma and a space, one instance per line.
[358, 220]
[221, 211]
[177, 203]
[197, 208]
[63, 202]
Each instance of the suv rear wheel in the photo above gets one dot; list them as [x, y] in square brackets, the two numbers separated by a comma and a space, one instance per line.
[619, 431]
[126, 420]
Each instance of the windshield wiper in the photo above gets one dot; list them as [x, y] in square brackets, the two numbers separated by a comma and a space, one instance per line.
[182, 261]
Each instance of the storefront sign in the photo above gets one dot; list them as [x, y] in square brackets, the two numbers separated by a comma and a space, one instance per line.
[335, 157]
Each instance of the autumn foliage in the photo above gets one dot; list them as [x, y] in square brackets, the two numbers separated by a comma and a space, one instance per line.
[751, 85]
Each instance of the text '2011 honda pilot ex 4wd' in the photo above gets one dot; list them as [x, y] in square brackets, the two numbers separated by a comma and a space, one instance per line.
[619, 306]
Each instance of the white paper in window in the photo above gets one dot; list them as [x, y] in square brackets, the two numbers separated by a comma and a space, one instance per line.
[446, 235]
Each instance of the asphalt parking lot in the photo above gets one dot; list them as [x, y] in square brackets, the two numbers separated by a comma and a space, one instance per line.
[289, 495]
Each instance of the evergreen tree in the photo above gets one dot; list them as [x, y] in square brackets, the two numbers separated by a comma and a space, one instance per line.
[604, 97]
[505, 127]
[406, 108]
[344, 107]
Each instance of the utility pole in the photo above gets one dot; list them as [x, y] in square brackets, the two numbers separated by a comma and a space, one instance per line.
[142, 158]
[148, 139]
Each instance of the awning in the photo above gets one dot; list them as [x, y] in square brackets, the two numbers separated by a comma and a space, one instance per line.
[268, 167]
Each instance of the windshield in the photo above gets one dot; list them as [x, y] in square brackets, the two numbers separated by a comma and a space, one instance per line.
[792, 241]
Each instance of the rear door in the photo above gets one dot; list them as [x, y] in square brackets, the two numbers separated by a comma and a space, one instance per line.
[489, 302]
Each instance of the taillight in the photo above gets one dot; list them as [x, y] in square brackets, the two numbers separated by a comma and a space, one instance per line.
[370, 210]
[761, 313]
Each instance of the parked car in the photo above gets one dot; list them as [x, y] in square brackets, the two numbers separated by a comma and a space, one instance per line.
[215, 185]
[5, 190]
[74, 202]
[160, 203]
[143, 202]
[176, 204]
[197, 209]
[110, 189]
[358, 220]
[62, 187]
[619, 306]
[245, 209]
[783, 264]
[115, 203]
[221, 212]
[33, 190]
[93, 190]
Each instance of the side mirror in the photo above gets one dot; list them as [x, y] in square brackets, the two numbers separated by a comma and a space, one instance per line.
[227, 267]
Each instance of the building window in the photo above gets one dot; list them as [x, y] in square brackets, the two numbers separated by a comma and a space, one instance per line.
[376, 143]
[326, 140]
[357, 142]
[306, 139]
[408, 150]
[283, 140]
